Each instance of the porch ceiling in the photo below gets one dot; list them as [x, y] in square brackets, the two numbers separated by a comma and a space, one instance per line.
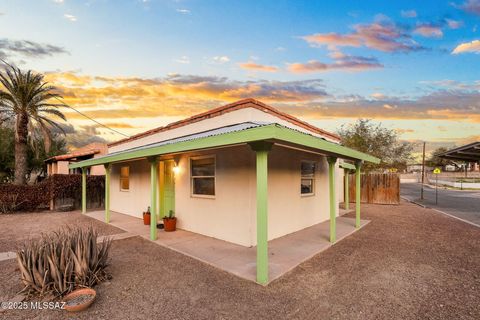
[231, 135]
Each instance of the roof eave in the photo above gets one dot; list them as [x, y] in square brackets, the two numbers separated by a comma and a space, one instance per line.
[267, 132]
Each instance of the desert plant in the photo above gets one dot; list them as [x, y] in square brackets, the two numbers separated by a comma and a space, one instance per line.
[62, 261]
[171, 214]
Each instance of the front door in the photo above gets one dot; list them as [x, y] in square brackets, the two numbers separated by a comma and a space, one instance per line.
[167, 187]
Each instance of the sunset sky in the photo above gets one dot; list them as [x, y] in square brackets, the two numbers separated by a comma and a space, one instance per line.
[134, 65]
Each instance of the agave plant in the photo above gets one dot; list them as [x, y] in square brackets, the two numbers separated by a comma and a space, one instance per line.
[64, 260]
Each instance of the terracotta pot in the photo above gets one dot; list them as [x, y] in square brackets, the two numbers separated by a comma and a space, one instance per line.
[169, 224]
[77, 293]
[146, 218]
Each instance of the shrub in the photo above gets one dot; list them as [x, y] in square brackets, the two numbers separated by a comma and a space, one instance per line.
[58, 187]
[62, 261]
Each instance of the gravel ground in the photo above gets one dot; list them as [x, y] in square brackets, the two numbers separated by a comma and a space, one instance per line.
[407, 263]
[16, 228]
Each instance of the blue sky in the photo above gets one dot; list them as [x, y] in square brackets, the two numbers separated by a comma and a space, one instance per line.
[410, 64]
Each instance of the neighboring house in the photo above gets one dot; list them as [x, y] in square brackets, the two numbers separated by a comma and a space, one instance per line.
[245, 173]
[59, 164]
[417, 167]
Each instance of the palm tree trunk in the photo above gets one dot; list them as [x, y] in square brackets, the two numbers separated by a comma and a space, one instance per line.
[21, 135]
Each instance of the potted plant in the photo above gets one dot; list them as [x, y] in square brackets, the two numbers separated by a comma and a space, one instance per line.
[170, 221]
[146, 217]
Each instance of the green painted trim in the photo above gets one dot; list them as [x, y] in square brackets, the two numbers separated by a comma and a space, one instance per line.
[108, 169]
[153, 197]
[345, 165]
[161, 205]
[346, 195]
[262, 216]
[333, 202]
[84, 190]
[358, 166]
[330, 148]
[248, 135]
[267, 132]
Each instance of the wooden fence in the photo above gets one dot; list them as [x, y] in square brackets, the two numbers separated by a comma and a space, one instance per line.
[379, 188]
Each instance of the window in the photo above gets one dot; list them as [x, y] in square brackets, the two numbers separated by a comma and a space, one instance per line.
[308, 177]
[202, 172]
[124, 178]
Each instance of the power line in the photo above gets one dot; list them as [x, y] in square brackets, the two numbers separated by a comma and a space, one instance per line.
[79, 112]
[101, 124]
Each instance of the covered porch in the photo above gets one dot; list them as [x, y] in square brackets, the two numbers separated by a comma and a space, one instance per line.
[284, 253]
[260, 137]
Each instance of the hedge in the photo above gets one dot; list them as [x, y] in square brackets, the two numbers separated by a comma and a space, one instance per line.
[57, 187]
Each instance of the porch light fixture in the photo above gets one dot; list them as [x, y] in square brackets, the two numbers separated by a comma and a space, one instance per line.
[176, 169]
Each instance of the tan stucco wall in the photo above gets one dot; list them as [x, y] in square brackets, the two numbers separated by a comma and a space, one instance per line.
[231, 215]
[230, 118]
[228, 216]
[289, 210]
[137, 199]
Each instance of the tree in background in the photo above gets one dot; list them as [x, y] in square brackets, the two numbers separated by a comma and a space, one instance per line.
[30, 101]
[36, 153]
[372, 138]
[435, 160]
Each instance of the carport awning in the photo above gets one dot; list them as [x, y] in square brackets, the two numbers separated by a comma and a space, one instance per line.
[469, 152]
[232, 135]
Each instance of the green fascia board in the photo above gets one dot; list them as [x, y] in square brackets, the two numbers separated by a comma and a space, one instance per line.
[272, 131]
[345, 165]
[247, 135]
[333, 149]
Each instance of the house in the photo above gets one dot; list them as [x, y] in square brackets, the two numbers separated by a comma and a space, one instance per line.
[245, 173]
[417, 167]
[59, 164]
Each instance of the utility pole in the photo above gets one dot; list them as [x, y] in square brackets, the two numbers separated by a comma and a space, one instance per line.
[423, 170]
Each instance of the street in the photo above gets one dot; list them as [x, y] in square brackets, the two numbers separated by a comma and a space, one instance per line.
[459, 203]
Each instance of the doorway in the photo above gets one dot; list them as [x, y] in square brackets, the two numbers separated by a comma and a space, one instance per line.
[167, 187]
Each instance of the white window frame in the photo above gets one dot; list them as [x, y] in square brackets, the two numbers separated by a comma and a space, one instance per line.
[206, 196]
[302, 177]
[120, 179]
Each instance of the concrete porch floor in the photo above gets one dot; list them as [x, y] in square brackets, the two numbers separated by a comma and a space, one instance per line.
[285, 253]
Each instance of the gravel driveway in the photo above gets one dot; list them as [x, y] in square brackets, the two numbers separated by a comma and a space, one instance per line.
[408, 263]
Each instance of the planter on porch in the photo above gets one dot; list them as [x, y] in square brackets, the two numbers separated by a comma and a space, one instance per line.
[170, 222]
[146, 217]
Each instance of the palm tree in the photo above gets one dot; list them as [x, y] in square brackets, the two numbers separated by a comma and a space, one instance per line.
[29, 100]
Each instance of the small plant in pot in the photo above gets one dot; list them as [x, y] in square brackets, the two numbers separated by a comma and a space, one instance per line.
[170, 221]
[146, 217]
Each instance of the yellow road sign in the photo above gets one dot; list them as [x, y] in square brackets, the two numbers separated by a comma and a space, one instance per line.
[437, 171]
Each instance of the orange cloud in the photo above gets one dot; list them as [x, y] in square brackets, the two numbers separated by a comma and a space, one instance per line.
[429, 31]
[250, 65]
[341, 62]
[472, 46]
[382, 35]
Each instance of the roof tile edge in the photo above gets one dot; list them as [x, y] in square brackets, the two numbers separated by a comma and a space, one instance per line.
[240, 104]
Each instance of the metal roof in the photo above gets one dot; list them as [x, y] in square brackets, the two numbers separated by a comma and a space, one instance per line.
[240, 133]
[469, 152]
[199, 135]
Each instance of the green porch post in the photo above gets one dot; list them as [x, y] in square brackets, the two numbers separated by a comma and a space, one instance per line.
[346, 194]
[107, 191]
[153, 196]
[358, 165]
[84, 189]
[262, 148]
[333, 202]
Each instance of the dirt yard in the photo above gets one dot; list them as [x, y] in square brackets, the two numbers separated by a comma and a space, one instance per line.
[18, 227]
[407, 263]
